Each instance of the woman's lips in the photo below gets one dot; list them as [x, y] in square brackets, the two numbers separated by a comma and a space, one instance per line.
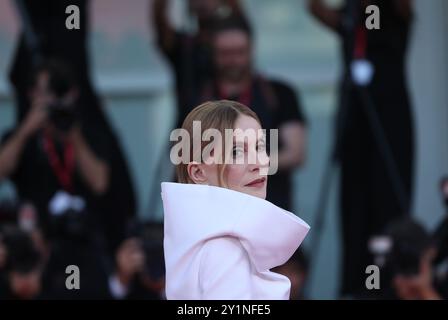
[257, 183]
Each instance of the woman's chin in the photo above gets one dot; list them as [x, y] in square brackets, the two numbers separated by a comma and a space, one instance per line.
[255, 192]
[259, 193]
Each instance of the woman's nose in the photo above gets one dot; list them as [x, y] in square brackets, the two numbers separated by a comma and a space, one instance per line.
[261, 161]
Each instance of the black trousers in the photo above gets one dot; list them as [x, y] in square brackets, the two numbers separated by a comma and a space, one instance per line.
[367, 200]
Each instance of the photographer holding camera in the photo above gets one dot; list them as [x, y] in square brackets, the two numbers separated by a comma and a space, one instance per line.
[139, 264]
[405, 253]
[52, 150]
[21, 276]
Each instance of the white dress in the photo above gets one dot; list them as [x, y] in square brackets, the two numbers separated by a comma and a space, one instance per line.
[220, 244]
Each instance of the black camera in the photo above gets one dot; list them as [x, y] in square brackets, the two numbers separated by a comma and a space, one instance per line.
[70, 225]
[404, 259]
[151, 236]
[400, 249]
[62, 84]
[62, 116]
[69, 218]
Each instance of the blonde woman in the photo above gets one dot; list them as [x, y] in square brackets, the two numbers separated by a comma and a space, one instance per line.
[221, 236]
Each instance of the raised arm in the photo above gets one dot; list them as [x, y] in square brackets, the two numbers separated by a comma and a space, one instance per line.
[165, 33]
[328, 16]
[12, 149]
[94, 170]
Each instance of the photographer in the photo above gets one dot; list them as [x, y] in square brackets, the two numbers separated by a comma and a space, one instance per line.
[405, 254]
[188, 53]
[23, 267]
[368, 198]
[52, 150]
[139, 272]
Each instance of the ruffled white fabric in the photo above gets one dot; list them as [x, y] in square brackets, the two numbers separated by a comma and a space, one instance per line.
[198, 215]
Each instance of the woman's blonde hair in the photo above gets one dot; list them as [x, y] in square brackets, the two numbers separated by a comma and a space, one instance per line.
[219, 115]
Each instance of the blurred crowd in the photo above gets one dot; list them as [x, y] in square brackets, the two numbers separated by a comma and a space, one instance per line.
[75, 200]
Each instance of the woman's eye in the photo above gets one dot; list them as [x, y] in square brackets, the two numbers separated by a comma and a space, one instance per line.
[261, 147]
[237, 152]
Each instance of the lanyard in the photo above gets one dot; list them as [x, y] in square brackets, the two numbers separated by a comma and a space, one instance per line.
[62, 170]
[360, 43]
[245, 97]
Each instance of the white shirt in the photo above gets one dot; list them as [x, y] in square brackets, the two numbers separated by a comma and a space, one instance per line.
[220, 244]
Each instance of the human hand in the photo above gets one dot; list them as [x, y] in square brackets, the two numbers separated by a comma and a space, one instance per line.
[130, 260]
[419, 286]
[36, 117]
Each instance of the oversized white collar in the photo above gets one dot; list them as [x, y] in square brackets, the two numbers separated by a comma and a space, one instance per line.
[195, 213]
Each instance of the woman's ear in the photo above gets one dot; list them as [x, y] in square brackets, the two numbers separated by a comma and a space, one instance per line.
[196, 173]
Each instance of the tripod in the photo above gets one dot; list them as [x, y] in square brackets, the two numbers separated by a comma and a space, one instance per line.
[355, 84]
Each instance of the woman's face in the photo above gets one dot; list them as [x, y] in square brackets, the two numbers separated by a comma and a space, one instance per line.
[250, 162]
